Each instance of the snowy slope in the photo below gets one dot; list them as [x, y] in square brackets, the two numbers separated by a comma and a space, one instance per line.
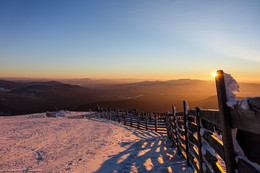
[37, 143]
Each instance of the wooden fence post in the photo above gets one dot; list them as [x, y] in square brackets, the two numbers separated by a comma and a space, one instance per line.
[176, 129]
[167, 122]
[146, 121]
[114, 116]
[199, 138]
[125, 116]
[156, 122]
[225, 119]
[109, 115]
[169, 125]
[138, 121]
[185, 106]
[119, 116]
[131, 120]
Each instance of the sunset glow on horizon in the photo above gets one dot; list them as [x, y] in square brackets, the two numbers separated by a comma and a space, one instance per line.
[148, 40]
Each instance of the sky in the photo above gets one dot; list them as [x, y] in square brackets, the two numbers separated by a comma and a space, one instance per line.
[148, 39]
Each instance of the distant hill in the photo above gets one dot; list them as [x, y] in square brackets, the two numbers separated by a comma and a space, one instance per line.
[152, 96]
[22, 98]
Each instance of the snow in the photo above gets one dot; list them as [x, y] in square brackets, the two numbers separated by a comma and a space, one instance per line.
[208, 165]
[236, 145]
[231, 88]
[201, 131]
[31, 143]
[204, 168]
[206, 146]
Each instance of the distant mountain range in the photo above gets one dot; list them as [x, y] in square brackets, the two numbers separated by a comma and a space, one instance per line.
[28, 97]
[23, 97]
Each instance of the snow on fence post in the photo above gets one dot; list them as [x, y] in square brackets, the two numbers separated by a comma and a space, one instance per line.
[225, 120]
[199, 138]
[156, 122]
[185, 106]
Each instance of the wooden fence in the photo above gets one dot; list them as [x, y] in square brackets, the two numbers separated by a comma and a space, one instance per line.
[139, 120]
[196, 134]
[204, 137]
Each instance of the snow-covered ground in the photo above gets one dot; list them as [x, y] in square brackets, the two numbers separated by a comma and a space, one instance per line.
[32, 143]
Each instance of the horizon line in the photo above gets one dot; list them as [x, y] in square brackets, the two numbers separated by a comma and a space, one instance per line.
[112, 79]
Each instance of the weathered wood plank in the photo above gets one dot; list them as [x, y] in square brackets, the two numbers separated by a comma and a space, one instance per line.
[182, 147]
[193, 138]
[215, 143]
[180, 123]
[212, 160]
[181, 131]
[211, 116]
[194, 150]
[182, 139]
[247, 120]
[193, 162]
[192, 112]
[179, 114]
[192, 127]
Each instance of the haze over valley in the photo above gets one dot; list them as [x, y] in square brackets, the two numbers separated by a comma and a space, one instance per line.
[23, 96]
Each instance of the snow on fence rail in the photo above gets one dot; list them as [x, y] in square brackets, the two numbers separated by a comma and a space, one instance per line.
[206, 138]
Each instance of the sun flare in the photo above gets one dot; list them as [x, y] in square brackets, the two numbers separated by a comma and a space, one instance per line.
[214, 74]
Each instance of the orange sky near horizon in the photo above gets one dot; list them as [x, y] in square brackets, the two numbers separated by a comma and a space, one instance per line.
[144, 40]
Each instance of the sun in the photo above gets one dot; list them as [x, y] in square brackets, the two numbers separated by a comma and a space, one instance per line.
[214, 74]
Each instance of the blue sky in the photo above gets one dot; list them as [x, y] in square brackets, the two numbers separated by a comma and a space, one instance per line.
[140, 39]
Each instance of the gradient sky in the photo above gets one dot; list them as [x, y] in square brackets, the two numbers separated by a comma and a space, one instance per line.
[151, 39]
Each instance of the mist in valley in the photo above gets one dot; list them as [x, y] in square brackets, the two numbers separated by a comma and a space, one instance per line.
[30, 96]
